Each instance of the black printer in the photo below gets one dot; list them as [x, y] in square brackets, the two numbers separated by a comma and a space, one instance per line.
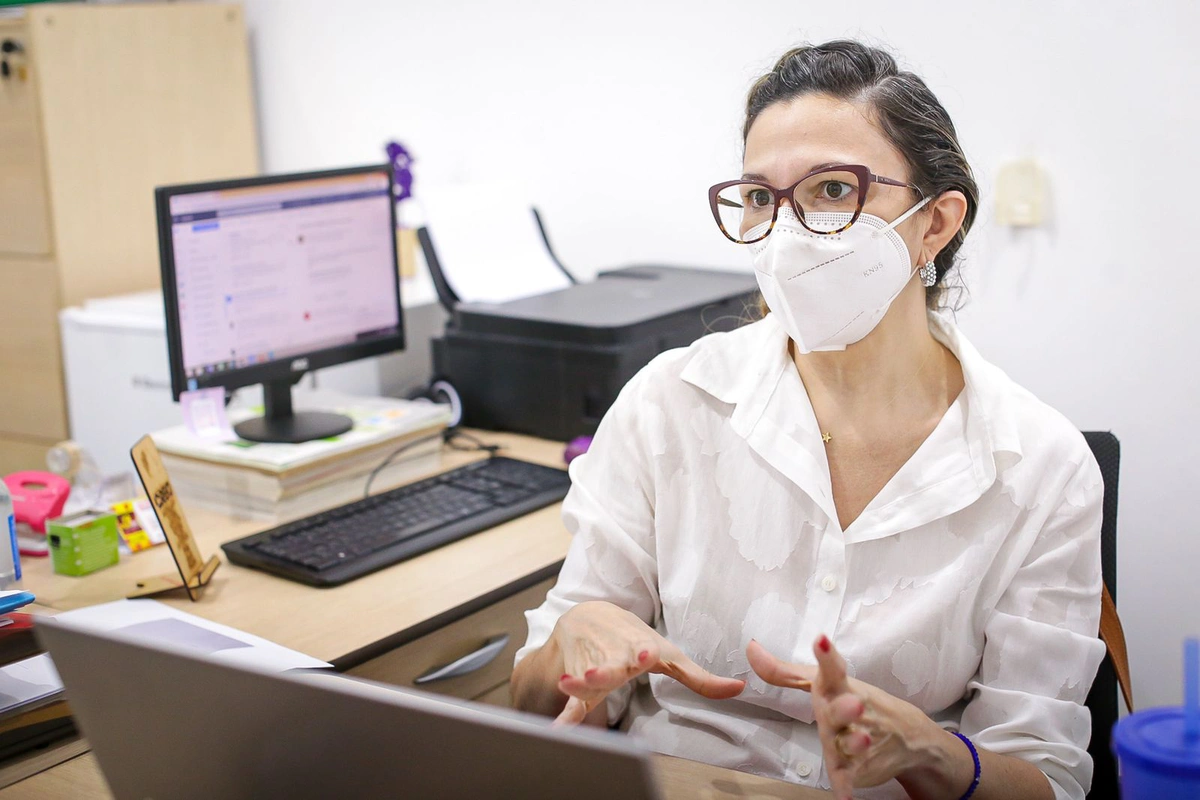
[551, 365]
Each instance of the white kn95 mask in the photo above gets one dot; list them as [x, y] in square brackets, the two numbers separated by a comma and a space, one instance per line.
[831, 290]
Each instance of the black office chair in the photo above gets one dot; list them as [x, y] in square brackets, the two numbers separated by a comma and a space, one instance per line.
[1102, 700]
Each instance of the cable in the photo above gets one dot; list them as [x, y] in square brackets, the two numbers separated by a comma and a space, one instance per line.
[442, 393]
[447, 390]
[456, 433]
[447, 436]
[392, 455]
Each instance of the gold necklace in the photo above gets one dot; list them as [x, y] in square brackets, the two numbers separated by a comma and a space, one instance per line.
[827, 437]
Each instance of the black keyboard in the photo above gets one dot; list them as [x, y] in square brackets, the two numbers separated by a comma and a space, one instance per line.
[344, 543]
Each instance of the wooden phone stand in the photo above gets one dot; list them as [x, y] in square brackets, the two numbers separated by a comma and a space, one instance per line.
[194, 571]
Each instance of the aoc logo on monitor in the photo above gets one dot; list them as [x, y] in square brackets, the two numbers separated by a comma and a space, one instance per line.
[299, 364]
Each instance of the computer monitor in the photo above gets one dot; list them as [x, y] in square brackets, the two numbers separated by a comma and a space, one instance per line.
[267, 278]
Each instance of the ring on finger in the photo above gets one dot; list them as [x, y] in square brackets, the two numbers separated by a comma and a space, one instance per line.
[839, 744]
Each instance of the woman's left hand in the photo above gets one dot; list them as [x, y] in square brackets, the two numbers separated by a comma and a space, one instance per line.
[868, 736]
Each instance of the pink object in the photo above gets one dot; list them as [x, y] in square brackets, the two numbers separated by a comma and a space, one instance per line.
[37, 497]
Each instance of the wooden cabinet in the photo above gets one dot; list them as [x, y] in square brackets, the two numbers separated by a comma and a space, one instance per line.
[474, 654]
[101, 104]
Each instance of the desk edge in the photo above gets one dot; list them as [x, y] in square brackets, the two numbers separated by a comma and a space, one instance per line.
[427, 626]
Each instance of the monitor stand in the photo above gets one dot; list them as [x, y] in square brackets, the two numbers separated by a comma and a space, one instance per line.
[281, 424]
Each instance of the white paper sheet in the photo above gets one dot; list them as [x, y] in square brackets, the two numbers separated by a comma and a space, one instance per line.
[169, 628]
[25, 682]
[488, 243]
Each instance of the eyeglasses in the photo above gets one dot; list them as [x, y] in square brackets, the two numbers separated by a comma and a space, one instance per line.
[746, 210]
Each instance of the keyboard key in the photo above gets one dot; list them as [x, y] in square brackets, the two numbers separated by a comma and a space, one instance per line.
[506, 497]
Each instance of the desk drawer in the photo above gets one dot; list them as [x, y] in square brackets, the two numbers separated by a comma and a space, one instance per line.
[472, 652]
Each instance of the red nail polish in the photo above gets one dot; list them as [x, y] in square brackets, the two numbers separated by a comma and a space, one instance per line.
[824, 644]
[564, 677]
[590, 673]
[642, 656]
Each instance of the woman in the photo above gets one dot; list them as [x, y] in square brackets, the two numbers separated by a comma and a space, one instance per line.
[847, 471]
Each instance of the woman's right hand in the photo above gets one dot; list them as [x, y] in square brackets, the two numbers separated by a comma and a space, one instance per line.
[603, 647]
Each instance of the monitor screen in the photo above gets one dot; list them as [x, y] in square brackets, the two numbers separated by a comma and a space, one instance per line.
[270, 277]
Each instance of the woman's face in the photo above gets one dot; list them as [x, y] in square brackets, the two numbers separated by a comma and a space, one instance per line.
[790, 139]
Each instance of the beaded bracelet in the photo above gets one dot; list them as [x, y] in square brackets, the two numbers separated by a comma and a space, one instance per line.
[975, 758]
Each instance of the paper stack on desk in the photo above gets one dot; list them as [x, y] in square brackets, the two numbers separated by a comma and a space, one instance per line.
[32, 709]
[281, 481]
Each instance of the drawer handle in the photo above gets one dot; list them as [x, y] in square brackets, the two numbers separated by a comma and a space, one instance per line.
[468, 663]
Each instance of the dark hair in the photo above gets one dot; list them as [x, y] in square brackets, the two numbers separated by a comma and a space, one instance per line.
[907, 111]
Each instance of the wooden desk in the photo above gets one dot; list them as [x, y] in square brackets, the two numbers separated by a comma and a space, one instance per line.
[679, 779]
[365, 618]
[350, 623]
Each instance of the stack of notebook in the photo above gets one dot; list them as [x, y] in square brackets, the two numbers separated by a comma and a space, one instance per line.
[33, 711]
[282, 481]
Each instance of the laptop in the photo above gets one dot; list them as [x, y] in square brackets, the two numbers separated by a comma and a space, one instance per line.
[168, 723]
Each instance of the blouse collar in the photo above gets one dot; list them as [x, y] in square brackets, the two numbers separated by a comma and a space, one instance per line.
[752, 370]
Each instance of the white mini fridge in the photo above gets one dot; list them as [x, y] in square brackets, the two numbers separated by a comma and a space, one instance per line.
[118, 383]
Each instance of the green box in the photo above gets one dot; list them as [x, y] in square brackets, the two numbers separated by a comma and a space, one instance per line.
[83, 542]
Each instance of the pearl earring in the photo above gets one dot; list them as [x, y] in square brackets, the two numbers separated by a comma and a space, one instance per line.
[928, 274]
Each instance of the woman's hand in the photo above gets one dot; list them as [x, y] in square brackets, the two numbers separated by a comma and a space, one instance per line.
[867, 735]
[603, 647]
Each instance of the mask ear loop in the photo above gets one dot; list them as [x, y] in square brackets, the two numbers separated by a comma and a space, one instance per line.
[905, 215]
[892, 226]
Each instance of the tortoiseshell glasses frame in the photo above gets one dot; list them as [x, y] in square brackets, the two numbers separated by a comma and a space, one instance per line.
[862, 173]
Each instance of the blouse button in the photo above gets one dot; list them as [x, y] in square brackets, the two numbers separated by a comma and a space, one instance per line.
[804, 770]
[829, 583]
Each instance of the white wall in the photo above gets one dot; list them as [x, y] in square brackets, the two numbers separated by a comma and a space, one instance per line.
[618, 115]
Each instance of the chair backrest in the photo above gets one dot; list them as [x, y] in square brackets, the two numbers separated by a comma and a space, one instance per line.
[1102, 700]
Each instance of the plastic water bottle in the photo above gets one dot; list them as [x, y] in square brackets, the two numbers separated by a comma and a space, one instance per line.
[10, 557]
[75, 464]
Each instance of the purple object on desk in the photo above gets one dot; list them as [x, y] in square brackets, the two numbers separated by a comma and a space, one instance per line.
[577, 447]
[401, 161]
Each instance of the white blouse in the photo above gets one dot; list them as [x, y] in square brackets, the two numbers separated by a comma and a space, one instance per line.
[970, 586]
